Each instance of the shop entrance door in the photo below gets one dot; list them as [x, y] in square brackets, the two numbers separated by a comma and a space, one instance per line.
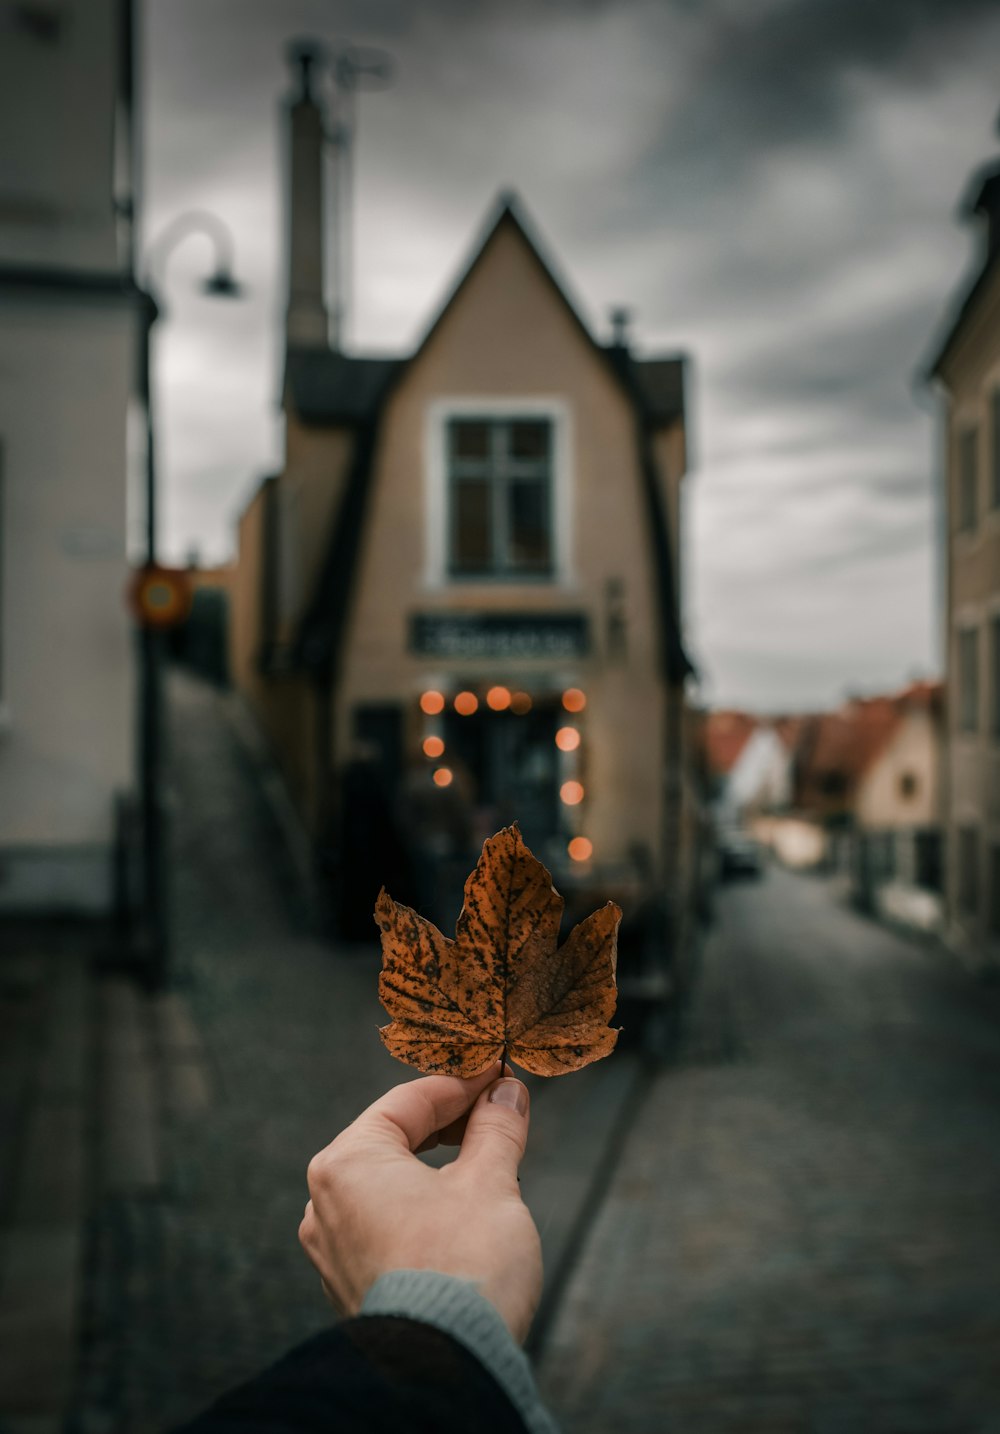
[508, 761]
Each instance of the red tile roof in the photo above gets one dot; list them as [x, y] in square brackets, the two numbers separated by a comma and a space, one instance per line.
[831, 750]
[725, 736]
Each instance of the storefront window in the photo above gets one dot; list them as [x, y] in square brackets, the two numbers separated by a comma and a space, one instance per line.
[500, 497]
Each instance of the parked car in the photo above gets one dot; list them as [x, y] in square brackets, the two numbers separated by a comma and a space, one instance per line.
[739, 854]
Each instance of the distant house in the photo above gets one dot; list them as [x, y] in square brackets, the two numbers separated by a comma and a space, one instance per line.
[71, 326]
[868, 776]
[458, 603]
[750, 762]
[857, 790]
[966, 371]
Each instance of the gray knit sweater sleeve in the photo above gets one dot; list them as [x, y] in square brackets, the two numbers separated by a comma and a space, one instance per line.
[456, 1307]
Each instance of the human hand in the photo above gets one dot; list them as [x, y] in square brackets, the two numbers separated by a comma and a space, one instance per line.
[375, 1207]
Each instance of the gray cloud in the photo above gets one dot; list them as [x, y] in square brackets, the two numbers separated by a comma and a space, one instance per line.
[770, 182]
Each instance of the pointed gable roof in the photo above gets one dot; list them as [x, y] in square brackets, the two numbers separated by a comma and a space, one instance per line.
[656, 386]
[335, 388]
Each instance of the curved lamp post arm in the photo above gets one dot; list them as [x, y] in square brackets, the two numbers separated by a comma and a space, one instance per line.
[194, 221]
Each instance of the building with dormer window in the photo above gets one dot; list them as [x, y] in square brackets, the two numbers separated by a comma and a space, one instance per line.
[458, 604]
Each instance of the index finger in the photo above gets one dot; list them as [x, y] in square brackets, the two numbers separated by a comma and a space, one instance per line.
[412, 1112]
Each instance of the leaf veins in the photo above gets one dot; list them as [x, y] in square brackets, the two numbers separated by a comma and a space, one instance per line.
[503, 982]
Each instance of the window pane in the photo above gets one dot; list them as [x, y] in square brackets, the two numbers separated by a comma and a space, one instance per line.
[471, 546]
[968, 869]
[995, 666]
[967, 479]
[968, 680]
[529, 439]
[470, 438]
[529, 546]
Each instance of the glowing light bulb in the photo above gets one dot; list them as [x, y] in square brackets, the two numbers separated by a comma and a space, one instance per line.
[574, 700]
[466, 703]
[443, 777]
[581, 849]
[571, 793]
[433, 746]
[432, 703]
[567, 739]
[498, 698]
[520, 703]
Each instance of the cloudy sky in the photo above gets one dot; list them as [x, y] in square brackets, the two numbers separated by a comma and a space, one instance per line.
[770, 186]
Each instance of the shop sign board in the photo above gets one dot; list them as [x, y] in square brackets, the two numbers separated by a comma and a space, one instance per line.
[500, 635]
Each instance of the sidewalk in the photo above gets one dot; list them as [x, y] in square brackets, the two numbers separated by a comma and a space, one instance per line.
[45, 1101]
[86, 1062]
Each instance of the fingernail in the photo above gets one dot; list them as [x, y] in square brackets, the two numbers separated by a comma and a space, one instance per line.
[512, 1094]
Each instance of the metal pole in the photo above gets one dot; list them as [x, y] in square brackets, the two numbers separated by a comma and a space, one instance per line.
[155, 937]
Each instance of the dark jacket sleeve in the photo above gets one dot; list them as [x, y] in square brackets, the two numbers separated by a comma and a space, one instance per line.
[374, 1375]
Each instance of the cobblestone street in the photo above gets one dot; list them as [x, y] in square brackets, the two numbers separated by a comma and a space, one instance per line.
[803, 1234]
[264, 1051]
[197, 1278]
[799, 1232]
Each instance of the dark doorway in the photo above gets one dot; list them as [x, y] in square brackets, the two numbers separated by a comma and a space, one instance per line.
[371, 849]
[510, 761]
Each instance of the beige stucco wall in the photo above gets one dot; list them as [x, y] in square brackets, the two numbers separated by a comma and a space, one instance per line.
[509, 337]
[283, 704]
[913, 749]
[972, 779]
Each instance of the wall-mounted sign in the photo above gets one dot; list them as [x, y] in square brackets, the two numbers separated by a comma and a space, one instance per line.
[159, 597]
[500, 635]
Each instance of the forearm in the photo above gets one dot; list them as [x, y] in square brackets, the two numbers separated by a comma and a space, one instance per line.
[426, 1353]
[457, 1308]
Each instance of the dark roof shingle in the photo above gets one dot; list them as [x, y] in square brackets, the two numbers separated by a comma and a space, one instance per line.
[329, 387]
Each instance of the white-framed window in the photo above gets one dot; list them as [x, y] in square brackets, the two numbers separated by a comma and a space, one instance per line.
[968, 479]
[968, 679]
[968, 870]
[994, 640]
[995, 451]
[497, 488]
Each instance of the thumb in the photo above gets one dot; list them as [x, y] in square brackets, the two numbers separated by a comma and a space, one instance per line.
[497, 1132]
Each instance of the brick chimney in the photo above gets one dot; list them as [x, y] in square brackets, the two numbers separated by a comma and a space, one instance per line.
[307, 322]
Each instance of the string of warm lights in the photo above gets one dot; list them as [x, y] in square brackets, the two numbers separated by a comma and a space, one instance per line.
[568, 740]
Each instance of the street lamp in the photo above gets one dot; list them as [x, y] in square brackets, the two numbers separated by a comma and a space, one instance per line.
[155, 944]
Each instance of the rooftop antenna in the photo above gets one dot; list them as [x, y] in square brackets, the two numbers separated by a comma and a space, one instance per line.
[352, 67]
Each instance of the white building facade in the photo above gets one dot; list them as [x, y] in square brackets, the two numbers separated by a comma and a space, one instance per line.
[71, 329]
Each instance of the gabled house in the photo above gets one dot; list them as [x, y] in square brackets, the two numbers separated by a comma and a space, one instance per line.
[458, 603]
[868, 777]
[750, 764]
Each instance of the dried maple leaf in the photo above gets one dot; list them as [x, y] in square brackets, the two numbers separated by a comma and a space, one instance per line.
[502, 984]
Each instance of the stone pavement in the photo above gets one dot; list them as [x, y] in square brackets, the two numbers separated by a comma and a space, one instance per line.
[804, 1230]
[264, 1049]
[800, 1231]
[45, 1172]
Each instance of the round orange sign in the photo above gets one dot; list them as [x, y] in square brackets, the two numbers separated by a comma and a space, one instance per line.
[160, 597]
